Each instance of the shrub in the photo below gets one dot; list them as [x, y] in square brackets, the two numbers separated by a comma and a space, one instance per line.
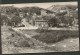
[22, 43]
[56, 35]
[18, 40]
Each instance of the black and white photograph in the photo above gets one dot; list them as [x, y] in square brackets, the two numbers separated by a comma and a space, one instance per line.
[39, 27]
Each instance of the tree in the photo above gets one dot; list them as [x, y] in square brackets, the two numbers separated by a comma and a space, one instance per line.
[16, 20]
[4, 20]
[65, 19]
[54, 21]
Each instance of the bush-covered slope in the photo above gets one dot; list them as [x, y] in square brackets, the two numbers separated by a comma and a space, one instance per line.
[53, 36]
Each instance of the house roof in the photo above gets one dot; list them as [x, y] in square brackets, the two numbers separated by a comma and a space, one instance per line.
[40, 20]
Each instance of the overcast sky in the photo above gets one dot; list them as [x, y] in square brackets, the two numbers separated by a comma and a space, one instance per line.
[42, 5]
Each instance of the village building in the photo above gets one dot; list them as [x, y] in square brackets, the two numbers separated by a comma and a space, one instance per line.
[43, 12]
[21, 14]
[41, 22]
